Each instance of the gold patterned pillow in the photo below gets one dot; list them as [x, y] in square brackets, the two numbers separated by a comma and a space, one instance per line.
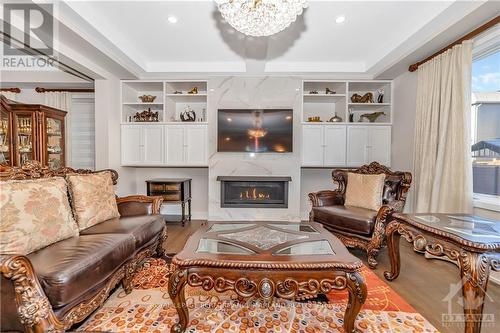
[93, 198]
[364, 191]
[34, 214]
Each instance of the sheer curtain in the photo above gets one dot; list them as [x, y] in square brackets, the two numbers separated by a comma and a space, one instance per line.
[442, 160]
[62, 100]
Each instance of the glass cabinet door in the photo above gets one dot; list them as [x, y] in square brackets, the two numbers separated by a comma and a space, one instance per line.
[54, 142]
[5, 143]
[24, 138]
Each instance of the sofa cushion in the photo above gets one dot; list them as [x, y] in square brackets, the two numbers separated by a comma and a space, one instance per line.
[143, 228]
[93, 198]
[69, 268]
[346, 218]
[364, 191]
[34, 214]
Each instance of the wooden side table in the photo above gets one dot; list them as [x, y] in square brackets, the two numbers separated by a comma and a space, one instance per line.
[471, 241]
[174, 191]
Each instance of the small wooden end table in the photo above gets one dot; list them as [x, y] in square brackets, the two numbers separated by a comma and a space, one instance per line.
[173, 191]
[265, 259]
[472, 242]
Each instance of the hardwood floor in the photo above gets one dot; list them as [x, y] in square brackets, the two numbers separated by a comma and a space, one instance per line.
[423, 283]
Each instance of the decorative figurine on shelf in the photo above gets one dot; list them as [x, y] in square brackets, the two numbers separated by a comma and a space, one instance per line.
[188, 114]
[380, 97]
[146, 116]
[177, 92]
[313, 92]
[335, 119]
[329, 92]
[147, 98]
[315, 119]
[372, 117]
[366, 98]
[193, 91]
[351, 115]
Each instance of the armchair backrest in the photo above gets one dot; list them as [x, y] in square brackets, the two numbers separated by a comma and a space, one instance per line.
[397, 183]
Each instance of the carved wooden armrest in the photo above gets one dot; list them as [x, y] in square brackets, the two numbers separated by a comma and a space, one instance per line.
[131, 203]
[34, 310]
[326, 198]
[397, 205]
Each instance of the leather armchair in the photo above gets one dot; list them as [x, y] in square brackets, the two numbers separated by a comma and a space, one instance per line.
[360, 227]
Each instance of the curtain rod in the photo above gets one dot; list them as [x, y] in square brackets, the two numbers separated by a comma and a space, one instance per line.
[470, 35]
[14, 90]
[82, 90]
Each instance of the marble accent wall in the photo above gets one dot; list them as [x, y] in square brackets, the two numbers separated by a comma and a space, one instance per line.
[250, 92]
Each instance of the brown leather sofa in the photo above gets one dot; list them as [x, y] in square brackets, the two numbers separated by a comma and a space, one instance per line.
[360, 227]
[58, 286]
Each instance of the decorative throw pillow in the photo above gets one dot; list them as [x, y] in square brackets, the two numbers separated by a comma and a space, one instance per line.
[34, 214]
[93, 198]
[364, 191]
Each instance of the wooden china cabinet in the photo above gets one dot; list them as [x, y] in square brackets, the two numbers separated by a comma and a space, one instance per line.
[31, 132]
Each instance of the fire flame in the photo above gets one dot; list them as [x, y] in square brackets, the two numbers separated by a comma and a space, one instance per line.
[252, 194]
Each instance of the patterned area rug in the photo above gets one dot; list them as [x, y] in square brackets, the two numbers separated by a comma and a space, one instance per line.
[149, 309]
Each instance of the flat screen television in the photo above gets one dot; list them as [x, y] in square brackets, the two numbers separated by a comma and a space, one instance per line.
[255, 130]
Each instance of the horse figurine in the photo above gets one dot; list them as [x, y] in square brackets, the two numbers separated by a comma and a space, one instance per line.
[372, 117]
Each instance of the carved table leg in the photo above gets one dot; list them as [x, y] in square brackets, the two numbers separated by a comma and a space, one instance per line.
[393, 237]
[357, 296]
[475, 271]
[176, 285]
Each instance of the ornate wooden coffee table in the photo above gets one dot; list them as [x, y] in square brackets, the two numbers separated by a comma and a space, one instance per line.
[473, 243]
[264, 259]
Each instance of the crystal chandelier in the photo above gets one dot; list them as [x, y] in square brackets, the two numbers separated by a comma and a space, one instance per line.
[260, 17]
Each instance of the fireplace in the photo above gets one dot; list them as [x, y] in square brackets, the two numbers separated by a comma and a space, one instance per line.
[258, 192]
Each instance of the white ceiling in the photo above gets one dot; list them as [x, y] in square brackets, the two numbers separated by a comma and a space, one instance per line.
[374, 37]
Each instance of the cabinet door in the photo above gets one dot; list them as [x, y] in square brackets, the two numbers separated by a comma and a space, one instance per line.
[379, 145]
[53, 146]
[131, 145]
[312, 145]
[335, 145]
[153, 144]
[174, 145]
[196, 144]
[357, 141]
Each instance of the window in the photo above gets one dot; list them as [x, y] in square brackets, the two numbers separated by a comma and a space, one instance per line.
[486, 130]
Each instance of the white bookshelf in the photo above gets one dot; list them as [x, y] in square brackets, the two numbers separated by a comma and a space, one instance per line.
[348, 143]
[172, 98]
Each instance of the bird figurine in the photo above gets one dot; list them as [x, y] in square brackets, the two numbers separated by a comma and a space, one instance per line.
[372, 117]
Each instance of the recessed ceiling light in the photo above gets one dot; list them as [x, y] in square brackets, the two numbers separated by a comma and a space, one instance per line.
[340, 19]
[172, 19]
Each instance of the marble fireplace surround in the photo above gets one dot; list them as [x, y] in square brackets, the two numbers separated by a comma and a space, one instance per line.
[249, 93]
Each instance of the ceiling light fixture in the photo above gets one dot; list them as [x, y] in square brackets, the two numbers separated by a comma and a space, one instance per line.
[340, 19]
[260, 17]
[172, 19]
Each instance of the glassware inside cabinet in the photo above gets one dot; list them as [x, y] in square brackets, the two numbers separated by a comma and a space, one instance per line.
[55, 148]
[5, 139]
[24, 130]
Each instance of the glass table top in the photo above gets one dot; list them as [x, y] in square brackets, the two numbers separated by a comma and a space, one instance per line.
[252, 238]
[468, 227]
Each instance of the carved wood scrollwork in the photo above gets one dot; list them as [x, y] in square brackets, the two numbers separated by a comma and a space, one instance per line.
[35, 170]
[33, 307]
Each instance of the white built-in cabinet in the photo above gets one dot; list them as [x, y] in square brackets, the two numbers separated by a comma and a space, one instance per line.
[323, 145]
[352, 140]
[164, 145]
[168, 142]
[368, 143]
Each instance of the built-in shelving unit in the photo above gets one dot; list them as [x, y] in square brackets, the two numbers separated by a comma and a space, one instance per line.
[172, 98]
[169, 141]
[353, 139]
